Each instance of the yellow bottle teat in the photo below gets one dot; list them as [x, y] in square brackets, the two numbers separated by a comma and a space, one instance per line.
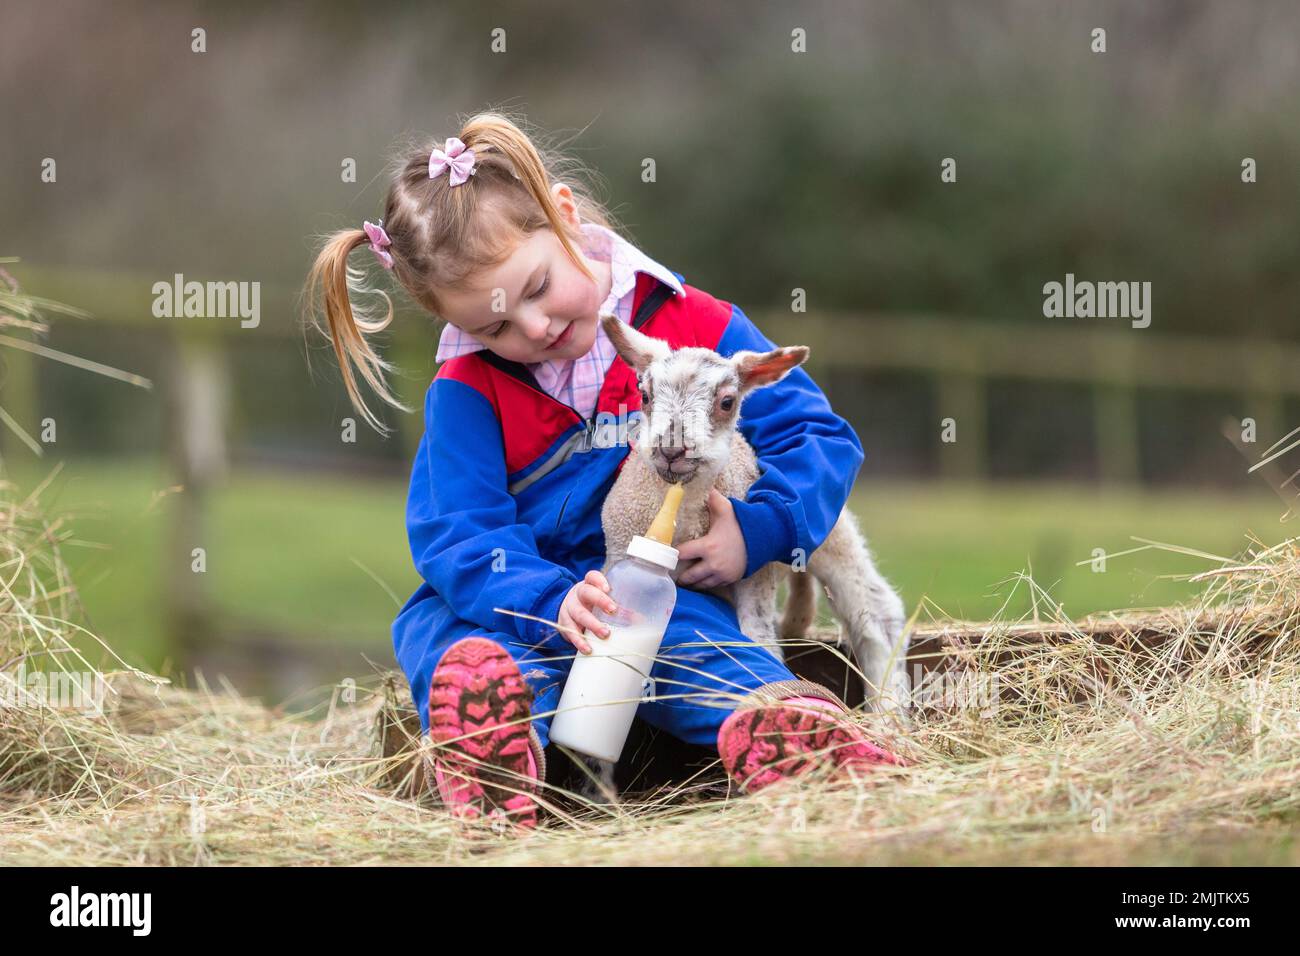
[665, 523]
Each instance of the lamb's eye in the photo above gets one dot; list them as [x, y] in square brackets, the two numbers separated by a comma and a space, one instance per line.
[728, 403]
[645, 396]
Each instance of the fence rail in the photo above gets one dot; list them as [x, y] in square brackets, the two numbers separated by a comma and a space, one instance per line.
[959, 356]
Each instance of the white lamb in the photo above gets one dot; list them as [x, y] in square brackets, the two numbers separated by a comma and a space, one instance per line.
[691, 400]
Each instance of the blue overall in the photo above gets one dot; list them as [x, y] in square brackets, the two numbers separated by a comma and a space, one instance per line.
[504, 513]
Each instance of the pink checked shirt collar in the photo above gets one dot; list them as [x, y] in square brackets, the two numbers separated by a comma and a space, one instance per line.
[577, 382]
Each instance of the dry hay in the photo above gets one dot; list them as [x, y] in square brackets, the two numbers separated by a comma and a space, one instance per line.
[1168, 736]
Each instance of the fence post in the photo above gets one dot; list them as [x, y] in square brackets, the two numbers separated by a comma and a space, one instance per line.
[962, 396]
[1115, 417]
[1263, 396]
[19, 396]
[1115, 410]
[197, 404]
[414, 361]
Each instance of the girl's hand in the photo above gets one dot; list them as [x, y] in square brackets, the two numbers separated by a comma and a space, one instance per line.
[587, 595]
[721, 554]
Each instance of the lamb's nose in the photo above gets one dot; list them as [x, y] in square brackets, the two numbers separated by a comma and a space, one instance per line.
[671, 454]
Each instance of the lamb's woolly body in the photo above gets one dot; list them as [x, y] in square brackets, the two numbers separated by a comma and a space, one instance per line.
[639, 492]
[686, 381]
[843, 564]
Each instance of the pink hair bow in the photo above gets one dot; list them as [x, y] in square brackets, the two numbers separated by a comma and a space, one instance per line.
[456, 157]
[379, 242]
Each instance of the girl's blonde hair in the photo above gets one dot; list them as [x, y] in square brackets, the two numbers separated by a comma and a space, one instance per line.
[442, 236]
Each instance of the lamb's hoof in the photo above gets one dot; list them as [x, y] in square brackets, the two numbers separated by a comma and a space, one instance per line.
[597, 795]
[903, 718]
[598, 783]
[896, 703]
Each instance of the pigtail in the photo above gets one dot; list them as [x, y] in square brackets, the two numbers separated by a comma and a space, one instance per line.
[329, 288]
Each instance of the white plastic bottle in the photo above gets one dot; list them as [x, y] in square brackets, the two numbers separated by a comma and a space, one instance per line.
[605, 687]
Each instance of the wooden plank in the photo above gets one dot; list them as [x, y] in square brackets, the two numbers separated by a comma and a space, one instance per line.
[1086, 351]
[1075, 350]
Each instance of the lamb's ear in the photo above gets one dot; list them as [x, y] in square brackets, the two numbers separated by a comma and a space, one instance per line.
[637, 349]
[756, 369]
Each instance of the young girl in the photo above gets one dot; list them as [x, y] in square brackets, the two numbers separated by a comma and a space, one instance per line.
[509, 478]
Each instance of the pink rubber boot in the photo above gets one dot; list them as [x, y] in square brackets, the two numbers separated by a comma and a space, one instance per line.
[489, 760]
[790, 735]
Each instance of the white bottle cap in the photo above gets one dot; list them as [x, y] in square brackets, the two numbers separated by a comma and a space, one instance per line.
[653, 551]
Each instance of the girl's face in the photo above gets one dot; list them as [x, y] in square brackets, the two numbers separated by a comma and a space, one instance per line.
[536, 306]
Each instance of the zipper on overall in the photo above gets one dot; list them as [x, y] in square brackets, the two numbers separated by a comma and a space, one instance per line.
[648, 308]
[584, 445]
[653, 300]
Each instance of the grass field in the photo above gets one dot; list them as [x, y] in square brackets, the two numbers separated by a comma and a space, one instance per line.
[326, 557]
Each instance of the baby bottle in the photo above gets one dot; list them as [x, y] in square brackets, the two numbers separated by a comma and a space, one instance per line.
[605, 687]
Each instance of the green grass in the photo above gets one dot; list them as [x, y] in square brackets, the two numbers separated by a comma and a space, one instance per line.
[284, 551]
[296, 552]
[960, 546]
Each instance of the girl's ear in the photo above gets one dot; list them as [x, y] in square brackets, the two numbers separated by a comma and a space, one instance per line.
[756, 369]
[635, 348]
[562, 197]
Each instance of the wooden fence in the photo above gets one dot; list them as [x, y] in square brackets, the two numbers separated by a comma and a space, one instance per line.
[960, 357]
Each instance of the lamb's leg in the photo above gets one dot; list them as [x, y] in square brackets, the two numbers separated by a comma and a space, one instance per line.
[601, 789]
[800, 605]
[871, 612]
[755, 600]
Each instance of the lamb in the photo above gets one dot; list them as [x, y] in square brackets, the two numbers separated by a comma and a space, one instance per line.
[691, 400]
